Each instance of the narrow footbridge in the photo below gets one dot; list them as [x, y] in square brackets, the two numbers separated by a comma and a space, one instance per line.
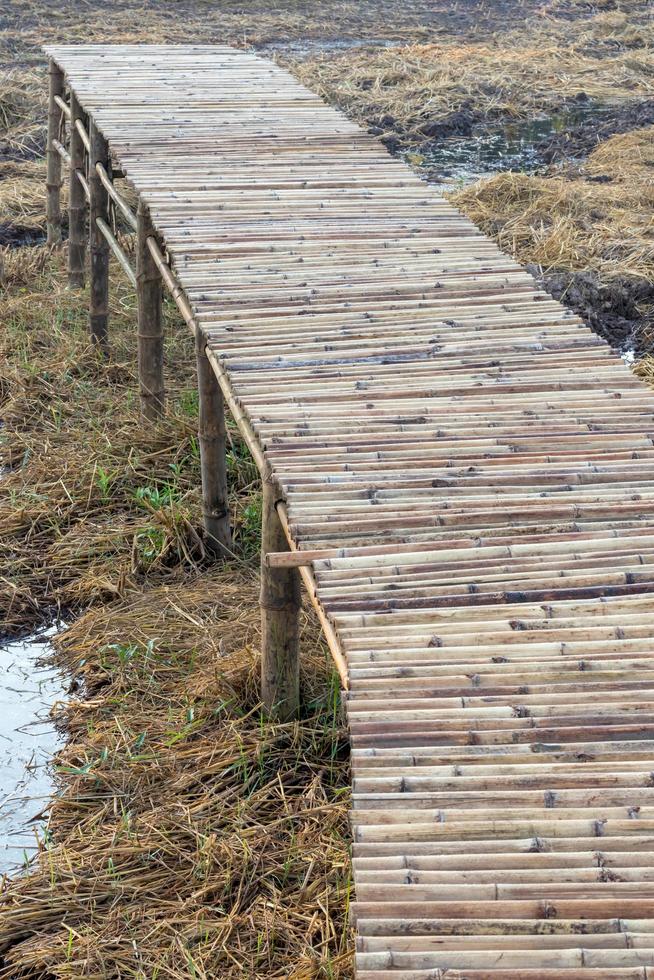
[458, 469]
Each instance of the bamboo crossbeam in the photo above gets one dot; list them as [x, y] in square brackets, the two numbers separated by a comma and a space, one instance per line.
[62, 151]
[62, 105]
[122, 206]
[84, 136]
[462, 474]
[296, 559]
[117, 250]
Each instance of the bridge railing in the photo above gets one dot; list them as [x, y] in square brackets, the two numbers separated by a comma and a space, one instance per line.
[96, 209]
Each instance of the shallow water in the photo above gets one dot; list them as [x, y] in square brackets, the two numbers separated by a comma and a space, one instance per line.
[309, 47]
[28, 740]
[512, 146]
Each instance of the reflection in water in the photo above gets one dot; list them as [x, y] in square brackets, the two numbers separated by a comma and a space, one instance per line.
[28, 740]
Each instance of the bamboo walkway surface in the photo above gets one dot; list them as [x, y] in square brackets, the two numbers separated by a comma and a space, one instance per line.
[469, 470]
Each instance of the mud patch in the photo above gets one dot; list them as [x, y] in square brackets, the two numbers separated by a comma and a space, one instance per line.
[587, 132]
[461, 154]
[621, 311]
[15, 236]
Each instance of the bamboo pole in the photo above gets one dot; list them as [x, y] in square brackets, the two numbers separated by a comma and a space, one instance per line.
[212, 432]
[99, 247]
[124, 208]
[280, 624]
[53, 179]
[117, 250]
[150, 321]
[76, 202]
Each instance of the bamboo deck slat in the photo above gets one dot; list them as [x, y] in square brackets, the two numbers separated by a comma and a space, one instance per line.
[470, 469]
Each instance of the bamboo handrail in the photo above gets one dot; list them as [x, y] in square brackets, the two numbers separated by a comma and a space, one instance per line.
[115, 247]
[310, 585]
[62, 151]
[124, 208]
[85, 184]
[253, 445]
[65, 155]
[81, 129]
[63, 105]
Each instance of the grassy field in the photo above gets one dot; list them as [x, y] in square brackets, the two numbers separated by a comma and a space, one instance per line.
[189, 837]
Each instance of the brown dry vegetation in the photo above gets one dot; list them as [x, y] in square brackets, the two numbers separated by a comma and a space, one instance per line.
[571, 222]
[193, 839]
[190, 837]
[424, 90]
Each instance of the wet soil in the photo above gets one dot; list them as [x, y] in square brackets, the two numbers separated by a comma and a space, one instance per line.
[468, 148]
[581, 138]
[15, 236]
[622, 311]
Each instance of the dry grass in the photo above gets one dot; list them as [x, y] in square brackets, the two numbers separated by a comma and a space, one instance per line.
[576, 224]
[417, 90]
[190, 838]
[94, 501]
[22, 194]
[22, 108]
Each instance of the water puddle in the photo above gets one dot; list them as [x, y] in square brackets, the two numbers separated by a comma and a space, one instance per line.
[309, 47]
[28, 740]
[521, 145]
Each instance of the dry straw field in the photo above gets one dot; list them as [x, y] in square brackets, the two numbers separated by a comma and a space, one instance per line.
[189, 837]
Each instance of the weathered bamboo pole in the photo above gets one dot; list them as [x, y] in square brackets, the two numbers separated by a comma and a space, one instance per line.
[212, 432]
[150, 321]
[53, 179]
[76, 202]
[99, 247]
[124, 208]
[280, 622]
[117, 250]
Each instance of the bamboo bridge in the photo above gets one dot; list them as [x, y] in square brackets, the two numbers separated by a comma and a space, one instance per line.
[455, 466]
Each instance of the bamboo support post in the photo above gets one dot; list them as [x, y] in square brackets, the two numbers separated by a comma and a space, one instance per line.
[99, 247]
[53, 184]
[280, 623]
[76, 202]
[212, 432]
[150, 321]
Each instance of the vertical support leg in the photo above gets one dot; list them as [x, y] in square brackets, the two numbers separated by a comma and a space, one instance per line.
[150, 321]
[98, 208]
[280, 622]
[212, 433]
[53, 179]
[76, 202]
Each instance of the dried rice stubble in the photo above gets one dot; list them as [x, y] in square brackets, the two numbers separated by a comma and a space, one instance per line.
[188, 831]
